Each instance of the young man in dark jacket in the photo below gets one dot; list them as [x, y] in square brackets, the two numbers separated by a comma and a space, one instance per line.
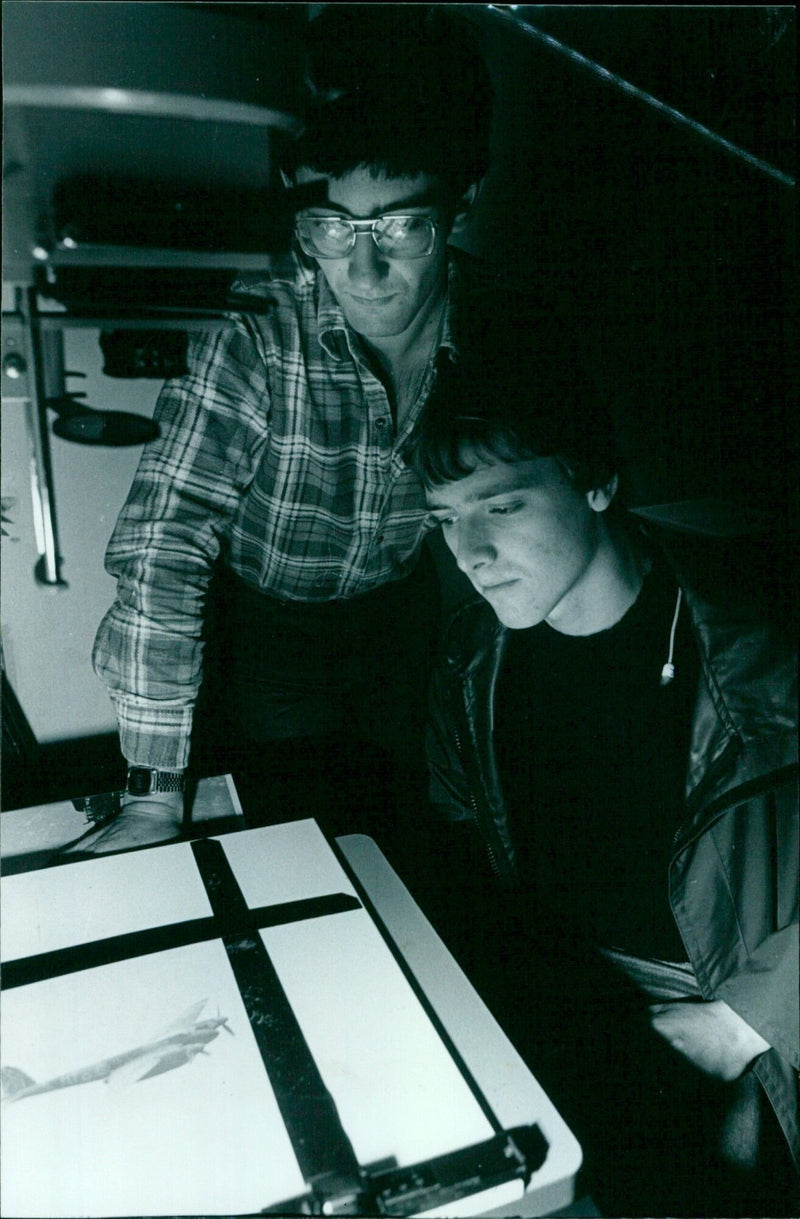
[614, 751]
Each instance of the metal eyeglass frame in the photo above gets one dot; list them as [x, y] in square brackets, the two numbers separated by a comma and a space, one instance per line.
[368, 226]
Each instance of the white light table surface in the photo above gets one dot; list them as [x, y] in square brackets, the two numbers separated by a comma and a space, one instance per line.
[407, 1050]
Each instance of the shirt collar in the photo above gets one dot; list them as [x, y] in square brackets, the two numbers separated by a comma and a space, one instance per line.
[336, 336]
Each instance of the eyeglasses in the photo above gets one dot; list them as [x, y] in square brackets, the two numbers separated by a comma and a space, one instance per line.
[395, 236]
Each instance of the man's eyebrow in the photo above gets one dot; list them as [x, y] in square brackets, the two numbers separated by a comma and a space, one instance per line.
[477, 497]
[425, 198]
[511, 489]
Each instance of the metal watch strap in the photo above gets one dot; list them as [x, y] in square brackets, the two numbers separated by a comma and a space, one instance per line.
[145, 780]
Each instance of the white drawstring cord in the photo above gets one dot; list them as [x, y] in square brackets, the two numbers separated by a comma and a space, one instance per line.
[668, 671]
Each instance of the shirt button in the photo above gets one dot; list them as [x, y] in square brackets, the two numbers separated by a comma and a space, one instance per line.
[382, 422]
[379, 539]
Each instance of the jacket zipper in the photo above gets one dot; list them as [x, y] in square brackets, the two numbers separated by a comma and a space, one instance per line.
[698, 795]
[488, 848]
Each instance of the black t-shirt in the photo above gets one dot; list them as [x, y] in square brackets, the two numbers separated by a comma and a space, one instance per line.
[592, 752]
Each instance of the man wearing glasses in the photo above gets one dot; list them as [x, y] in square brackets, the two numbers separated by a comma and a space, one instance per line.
[279, 469]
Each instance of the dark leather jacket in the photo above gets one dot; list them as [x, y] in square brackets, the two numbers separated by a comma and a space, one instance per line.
[733, 876]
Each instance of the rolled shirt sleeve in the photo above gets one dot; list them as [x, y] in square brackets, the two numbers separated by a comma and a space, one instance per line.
[148, 651]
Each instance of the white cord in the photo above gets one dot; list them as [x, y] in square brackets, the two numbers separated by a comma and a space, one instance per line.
[668, 671]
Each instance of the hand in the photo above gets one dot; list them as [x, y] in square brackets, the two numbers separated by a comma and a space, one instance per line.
[143, 821]
[711, 1035]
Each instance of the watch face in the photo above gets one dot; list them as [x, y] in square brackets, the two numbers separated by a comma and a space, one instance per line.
[140, 781]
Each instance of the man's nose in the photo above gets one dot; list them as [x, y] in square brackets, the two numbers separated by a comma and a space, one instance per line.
[474, 547]
[367, 265]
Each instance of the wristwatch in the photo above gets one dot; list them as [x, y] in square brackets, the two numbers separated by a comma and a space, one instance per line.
[144, 781]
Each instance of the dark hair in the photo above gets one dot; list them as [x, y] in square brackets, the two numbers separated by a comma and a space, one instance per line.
[401, 90]
[518, 390]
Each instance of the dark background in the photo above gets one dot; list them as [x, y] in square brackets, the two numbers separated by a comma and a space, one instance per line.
[678, 255]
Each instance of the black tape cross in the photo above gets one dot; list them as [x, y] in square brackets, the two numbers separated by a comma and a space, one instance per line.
[322, 1148]
[308, 1109]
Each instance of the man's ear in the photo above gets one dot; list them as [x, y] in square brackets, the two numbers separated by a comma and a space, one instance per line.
[464, 207]
[601, 497]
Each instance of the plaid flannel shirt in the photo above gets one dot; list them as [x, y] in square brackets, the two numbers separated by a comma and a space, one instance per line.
[277, 451]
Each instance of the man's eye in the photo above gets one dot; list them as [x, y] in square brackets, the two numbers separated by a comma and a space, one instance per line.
[403, 227]
[329, 226]
[504, 509]
[434, 519]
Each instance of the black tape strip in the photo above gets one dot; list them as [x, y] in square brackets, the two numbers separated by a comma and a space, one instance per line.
[308, 1110]
[158, 939]
[105, 952]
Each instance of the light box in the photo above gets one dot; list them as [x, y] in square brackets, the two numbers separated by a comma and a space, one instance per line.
[223, 1027]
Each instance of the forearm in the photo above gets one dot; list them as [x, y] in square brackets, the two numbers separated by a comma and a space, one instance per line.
[148, 649]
